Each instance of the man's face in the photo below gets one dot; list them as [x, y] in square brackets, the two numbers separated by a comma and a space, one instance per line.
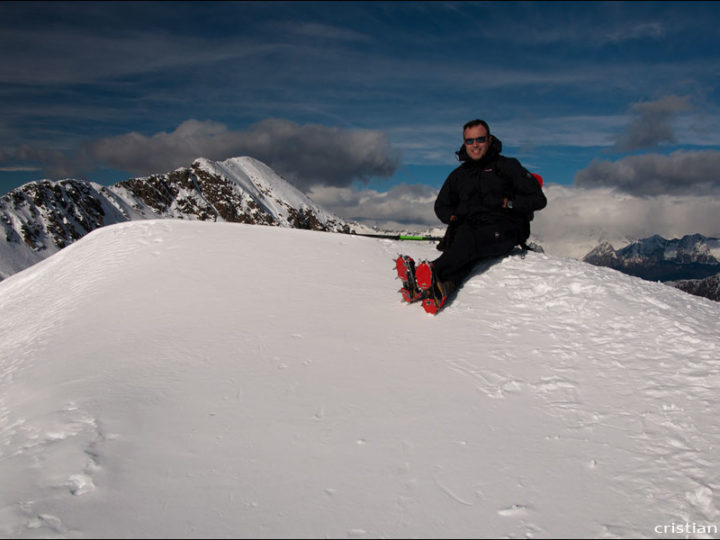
[476, 150]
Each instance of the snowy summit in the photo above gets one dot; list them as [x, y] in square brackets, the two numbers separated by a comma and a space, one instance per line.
[169, 378]
[40, 218]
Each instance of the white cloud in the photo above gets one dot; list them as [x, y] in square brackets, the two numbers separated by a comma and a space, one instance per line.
[576, 219]
[403, 206]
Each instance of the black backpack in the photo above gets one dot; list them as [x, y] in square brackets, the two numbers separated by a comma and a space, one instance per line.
[524, 233]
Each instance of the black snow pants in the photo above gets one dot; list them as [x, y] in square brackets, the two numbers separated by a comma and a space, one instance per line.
[471, 244]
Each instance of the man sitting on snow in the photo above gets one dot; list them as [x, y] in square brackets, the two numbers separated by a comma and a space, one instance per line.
[487, 203]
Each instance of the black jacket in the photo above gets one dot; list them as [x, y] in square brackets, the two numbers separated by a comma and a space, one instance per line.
[474, 192]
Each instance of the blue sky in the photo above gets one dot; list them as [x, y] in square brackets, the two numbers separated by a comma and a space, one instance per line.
[366, 95]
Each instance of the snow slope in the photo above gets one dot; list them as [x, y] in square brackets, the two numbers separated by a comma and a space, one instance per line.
[188, 379]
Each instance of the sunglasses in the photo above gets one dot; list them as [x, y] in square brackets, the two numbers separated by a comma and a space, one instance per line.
[476, 140]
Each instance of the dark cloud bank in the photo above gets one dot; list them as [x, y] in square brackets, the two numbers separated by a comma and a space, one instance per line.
[680, 173]
[683, 172]
[307, 155]
[651, 124]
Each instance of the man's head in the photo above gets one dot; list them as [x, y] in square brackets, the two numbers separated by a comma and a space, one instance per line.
[477, 139]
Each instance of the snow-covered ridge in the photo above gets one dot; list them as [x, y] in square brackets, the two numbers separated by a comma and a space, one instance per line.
[691, 248]
[42, 217]
[170, 379]
[260, 181]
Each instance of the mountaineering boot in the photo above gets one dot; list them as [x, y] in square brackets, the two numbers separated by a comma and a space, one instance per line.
[434, 293]
[405, 267]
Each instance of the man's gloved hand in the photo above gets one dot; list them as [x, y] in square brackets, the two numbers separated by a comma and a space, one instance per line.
[449, 236]
[459, 214]
[493, 202]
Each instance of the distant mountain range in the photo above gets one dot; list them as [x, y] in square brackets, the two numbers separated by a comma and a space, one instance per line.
[690, 263]
[40, 218]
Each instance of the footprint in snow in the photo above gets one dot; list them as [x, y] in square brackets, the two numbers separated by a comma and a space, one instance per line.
[516, 510]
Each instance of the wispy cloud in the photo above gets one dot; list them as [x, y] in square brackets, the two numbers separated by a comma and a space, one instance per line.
[325, 32]
[20, 168]
[544, 25]
[53, 56]
[652, 30]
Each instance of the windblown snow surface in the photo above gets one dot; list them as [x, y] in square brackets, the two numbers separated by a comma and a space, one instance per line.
[190, 379]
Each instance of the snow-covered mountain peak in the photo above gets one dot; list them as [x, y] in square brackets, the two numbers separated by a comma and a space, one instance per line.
[603, 254]
[604, 247]
[264, 184]
[41, 217]
[689, 248]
